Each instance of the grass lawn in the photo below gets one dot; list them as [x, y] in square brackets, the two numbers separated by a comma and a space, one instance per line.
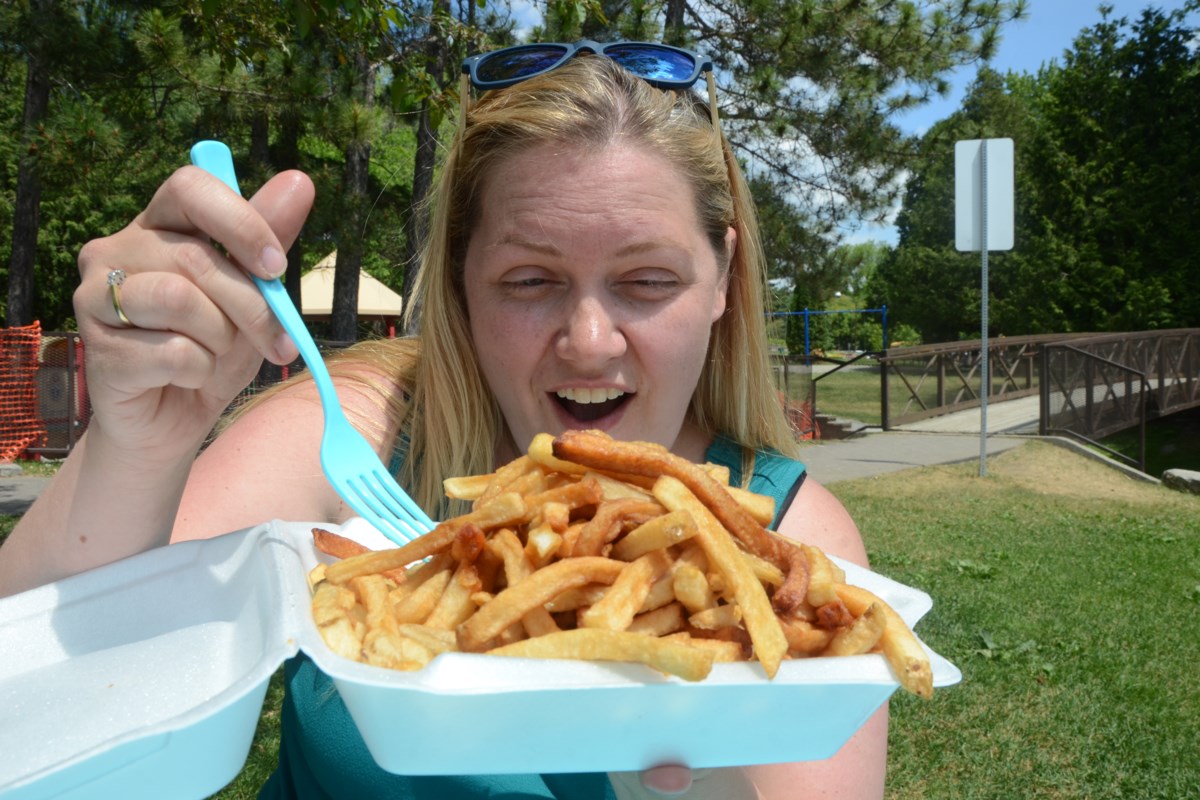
[1067, 594]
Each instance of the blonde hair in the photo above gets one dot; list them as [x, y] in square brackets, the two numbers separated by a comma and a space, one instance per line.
[452, 424]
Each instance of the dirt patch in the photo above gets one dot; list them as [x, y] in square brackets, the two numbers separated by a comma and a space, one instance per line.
[1047, 469]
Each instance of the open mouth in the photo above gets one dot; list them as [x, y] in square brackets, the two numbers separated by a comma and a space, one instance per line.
[588, 405]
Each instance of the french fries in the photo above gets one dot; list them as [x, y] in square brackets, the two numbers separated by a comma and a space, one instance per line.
[589, 548]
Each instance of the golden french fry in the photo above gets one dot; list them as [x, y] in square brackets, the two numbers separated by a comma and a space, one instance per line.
[434, 639]
[689, 663]
[658, 622]
[711, 619]
[794, 589]
[657, 534]
[330, 607]
[860, 635]
[455, 605]
[502, 477]
[642, 555]
[504, 510]
[419, 604]
[511, 604]
[541, 451]
[768, 574]
[723, 650]
[600, 451]
[386, 649]
[315, 576]
[770, 646]
[621, 602]
[574, 599]
[616, 489]
[372, 591]
[606, 524]
[692, 590]
[467, 487]
[820, 576]
[804, 638]
[904, 652]
[759, 506]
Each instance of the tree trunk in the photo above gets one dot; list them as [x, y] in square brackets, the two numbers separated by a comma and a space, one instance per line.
[424, 161]
[354, 205]
[28, 194]
[674, 32]
[414, 233]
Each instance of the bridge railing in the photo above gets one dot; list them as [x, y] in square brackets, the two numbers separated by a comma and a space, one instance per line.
[930, 380]
[1086, 396]
[1091, 385]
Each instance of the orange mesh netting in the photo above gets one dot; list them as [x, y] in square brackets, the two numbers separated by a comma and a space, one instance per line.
[20, 424]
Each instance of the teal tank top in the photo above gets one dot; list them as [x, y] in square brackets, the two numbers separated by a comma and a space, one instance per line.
[322, 756]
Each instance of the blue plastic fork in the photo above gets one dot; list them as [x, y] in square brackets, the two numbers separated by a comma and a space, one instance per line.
[350, 463]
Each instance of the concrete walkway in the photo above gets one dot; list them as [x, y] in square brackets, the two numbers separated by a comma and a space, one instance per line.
[878, 452]
[17, 492]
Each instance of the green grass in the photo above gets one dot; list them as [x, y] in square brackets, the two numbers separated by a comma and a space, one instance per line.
[1072, 615]
[1066, 593]
[851, 393]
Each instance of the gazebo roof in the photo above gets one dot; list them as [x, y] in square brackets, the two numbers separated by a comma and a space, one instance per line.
[374, 298]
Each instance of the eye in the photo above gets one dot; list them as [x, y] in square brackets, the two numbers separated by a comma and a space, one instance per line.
[651, 284]
[527, 282]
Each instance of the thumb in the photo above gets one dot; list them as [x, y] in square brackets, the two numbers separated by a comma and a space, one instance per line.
[284, 202]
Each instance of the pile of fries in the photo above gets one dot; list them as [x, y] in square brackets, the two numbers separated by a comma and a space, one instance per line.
[591, 548]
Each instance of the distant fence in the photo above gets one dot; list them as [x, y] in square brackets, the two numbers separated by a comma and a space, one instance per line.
[43, 399]
[1095, 386]
[44, 404]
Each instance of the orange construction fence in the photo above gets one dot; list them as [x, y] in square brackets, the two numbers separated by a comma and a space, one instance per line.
[20, 425]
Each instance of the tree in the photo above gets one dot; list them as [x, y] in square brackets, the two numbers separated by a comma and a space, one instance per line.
[1104, 170]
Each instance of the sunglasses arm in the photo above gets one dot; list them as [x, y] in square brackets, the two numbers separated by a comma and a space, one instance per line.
[712, 99]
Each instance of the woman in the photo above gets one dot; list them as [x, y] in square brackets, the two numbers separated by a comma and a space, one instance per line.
[592, 263]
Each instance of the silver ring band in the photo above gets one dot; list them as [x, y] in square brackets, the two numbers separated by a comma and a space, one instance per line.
[115, 278]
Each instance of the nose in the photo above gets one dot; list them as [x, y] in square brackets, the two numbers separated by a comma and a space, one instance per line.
[591, 335]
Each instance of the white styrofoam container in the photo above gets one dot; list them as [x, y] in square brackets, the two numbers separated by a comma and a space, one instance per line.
[145, 678]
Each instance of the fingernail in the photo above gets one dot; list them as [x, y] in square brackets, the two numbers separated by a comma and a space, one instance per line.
[272, 262]
[285, 349]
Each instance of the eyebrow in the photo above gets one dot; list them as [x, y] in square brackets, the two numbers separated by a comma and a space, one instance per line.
[548, 248]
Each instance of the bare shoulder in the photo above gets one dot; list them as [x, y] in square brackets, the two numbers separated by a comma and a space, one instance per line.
[266, 464]
[817, 517]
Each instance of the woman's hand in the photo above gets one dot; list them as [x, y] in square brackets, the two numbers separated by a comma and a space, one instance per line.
[673, 780]
[199, 328]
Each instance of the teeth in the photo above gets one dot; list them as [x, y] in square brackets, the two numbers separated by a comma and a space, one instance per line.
[587, 396]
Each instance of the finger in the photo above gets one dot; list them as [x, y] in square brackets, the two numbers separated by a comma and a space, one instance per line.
[667, 780]
[192, 200]
[663, 781]
[179, 284]
[162, 359]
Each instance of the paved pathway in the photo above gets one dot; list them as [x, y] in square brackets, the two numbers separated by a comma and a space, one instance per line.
[878, 452]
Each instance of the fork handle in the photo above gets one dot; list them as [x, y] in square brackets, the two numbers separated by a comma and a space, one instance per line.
[215, 158]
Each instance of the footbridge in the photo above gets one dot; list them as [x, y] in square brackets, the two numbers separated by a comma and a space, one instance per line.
[1084, 386]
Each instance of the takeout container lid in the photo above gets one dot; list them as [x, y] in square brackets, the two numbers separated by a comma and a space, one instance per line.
[145, 678]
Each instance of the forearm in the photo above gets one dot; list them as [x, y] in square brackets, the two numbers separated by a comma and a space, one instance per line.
[104, 504]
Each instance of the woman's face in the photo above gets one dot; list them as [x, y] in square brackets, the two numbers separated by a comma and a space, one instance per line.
[592, 291]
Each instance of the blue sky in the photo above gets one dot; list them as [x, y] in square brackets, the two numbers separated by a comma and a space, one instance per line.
[1048, 29]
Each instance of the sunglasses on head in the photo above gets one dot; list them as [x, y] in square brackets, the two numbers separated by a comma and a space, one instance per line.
[660, 65]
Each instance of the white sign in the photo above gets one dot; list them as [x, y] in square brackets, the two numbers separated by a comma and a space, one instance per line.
[983, 197]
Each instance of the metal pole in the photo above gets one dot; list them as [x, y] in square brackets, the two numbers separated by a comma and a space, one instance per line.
[985, 374]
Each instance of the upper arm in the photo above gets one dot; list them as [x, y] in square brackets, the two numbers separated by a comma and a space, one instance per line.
[267, 465]
[857, 771]
[818, 518]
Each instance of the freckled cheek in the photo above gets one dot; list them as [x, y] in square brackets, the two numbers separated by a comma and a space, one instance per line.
[504, 342]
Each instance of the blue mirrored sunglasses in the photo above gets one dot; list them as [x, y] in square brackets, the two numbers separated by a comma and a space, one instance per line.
[660, 65]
